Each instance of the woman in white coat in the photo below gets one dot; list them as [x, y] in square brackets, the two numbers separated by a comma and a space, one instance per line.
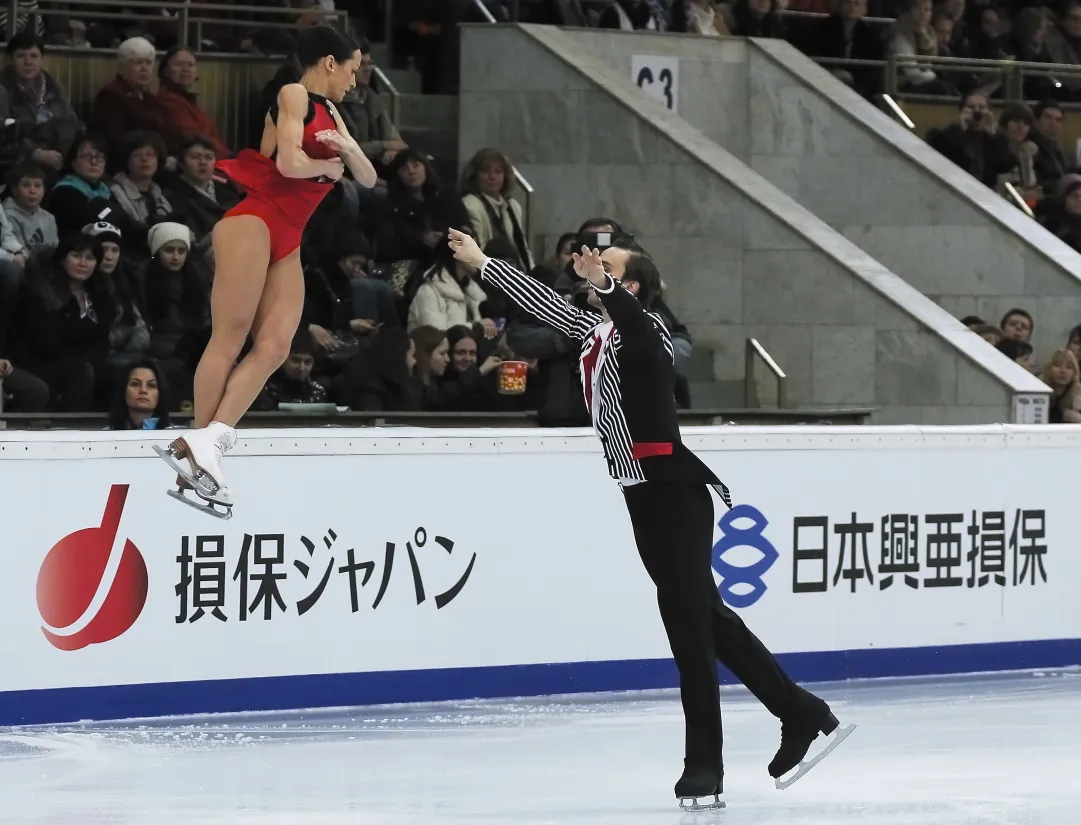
[449, 297]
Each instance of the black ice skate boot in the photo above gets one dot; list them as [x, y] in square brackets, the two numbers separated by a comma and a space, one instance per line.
[797, 735]
[700, 783]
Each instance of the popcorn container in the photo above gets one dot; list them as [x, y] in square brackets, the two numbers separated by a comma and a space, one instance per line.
[512, 375]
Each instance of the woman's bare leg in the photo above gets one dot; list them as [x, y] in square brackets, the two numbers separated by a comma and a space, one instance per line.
[275, 324]
[241, 258]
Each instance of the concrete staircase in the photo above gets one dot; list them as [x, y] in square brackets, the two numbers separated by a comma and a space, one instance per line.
[430, 123]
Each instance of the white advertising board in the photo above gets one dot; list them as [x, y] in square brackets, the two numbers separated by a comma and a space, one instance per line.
[414, 565]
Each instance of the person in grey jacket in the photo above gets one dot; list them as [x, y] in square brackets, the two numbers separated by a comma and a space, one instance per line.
[33, 227]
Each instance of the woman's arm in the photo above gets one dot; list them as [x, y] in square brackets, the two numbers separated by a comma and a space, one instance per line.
[292, 161]
[358, 163]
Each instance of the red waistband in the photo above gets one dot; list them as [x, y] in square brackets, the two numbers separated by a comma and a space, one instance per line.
[646, 449]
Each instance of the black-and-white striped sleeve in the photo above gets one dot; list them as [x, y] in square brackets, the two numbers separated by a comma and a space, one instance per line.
[534, 297]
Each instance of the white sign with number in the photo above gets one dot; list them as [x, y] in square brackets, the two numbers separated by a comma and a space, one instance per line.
[658, 77]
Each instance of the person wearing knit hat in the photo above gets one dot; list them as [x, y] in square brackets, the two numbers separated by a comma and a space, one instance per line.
[162, 233]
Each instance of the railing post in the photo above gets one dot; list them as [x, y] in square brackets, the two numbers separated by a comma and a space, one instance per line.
[183, 23]
[748, 372]
[889, 82]
[13, 17]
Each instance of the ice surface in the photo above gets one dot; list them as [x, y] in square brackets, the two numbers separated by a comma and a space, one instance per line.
[987, 751]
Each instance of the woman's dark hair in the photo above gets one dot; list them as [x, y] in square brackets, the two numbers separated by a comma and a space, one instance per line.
[459, 333]
[1016, 111]
[119, 416]
[427, 340]
[564, 238]
[134, 141]
[385, 356]
[641, 268]
[169, 55]
[319, 42]
[431, 185]
[443, 256]
[81, 140]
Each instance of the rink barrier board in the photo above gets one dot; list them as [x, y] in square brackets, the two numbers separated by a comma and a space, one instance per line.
[735, 453]
[280, 693]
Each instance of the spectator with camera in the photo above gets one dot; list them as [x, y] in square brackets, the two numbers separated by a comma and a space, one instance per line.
[974, 142]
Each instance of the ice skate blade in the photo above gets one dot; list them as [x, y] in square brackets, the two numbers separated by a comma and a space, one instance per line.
[166, 454]
[205, 507]
[691, 804]
[839, 736]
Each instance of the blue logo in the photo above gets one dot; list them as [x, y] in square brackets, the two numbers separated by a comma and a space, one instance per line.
[732, 537]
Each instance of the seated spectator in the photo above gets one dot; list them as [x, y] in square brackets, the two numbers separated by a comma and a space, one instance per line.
[127, 103]
[342, 303]
[1061, 213]
[846, 35]
[366, 117]
[414, 219]
[468, 386]
[987, 40]
[433, 357]
[382, 378]
[82, 193]
[1017, 325]
[1073, 342]
[449, 296]
[1060, 373]
[1064, 46]
[486, 186]
[911, 34]
[65, 317]
[34, 228]
[292, 382]
[697, 17]
[549, 270]
[142, 401]
[177, 294]
[973, 142]
[1020, 352]
[632, 15]
[182, 115]
[141, 200]
[46, 121]
[756, 18]
[1015, 124]
[1046, 133]
[1028, 43]
[194, 192]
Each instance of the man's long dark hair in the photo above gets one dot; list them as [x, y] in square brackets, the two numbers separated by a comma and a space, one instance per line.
[641, 268]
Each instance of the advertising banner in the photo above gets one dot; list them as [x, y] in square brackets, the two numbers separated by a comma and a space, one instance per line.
[440, 569]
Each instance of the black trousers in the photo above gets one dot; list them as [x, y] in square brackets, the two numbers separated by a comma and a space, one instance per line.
[673, 528]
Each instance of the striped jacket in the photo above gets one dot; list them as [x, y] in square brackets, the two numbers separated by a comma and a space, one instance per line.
[628, 375]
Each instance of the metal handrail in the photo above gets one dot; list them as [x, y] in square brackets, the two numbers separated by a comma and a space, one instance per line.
[183, 18]
[483, 9]
[817, 15]
[395, 96]
[756, 350]
[898, 112]
[1013, 195]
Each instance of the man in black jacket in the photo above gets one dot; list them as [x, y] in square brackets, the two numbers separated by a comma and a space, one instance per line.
[627, 378]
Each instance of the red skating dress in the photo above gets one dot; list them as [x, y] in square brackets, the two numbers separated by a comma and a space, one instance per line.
[284, 204]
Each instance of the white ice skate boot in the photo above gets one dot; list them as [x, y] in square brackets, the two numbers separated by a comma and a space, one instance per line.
[203, 449]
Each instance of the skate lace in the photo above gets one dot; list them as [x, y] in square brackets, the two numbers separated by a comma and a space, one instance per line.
[222, 444]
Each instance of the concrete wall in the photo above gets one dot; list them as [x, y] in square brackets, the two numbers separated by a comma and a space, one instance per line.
[866, 176]
[740, 258]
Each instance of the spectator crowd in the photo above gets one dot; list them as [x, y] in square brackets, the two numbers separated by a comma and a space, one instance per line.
[106, 261]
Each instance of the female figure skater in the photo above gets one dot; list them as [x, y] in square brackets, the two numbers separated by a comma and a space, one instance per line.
[258, 283]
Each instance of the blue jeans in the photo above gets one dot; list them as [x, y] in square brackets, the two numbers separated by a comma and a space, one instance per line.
[373, 300]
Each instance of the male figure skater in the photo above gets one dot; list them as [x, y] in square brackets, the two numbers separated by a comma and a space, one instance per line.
[627, 377]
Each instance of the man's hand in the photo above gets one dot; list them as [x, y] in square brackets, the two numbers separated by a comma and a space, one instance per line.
[588, 265]
[5, 368]
[465, 249]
